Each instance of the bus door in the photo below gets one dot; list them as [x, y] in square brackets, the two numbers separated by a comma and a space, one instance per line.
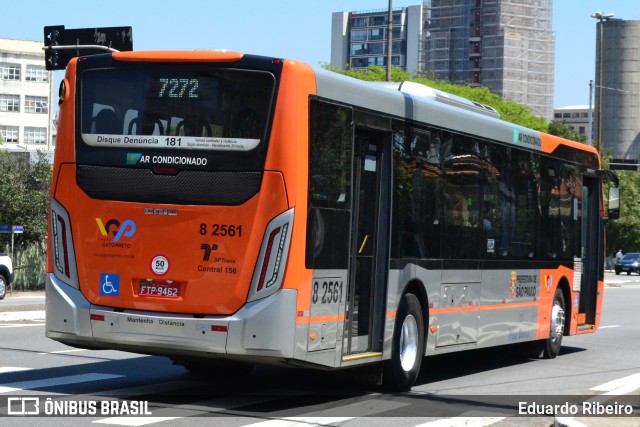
[591, 256]
[368, 264]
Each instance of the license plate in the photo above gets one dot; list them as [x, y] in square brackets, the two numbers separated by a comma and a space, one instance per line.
[159, 289]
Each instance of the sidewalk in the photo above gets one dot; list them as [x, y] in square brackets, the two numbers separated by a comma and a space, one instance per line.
[22, 316]
[22, 307]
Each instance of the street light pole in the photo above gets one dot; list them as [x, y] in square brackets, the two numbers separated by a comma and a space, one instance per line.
[590, 133]
[600, 17]
[389, 39]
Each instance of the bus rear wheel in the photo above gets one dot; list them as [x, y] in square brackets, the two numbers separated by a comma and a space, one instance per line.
[402, 370]
[554, 342]
[549, 348]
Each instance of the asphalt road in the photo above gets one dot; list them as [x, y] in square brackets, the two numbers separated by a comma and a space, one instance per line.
[604, 366]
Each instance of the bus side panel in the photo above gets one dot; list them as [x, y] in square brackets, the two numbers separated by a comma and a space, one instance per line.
[288, 153]
[65, 148]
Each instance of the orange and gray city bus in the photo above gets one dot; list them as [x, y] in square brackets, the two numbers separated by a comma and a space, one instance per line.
[225, 210]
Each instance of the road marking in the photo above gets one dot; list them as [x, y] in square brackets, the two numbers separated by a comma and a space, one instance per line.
[134, 421]
[463, 422]
[301, 422]
[8, 369]
[623, 385]
[192, 409]
[73, 350]
[52, 382]
[319, 418]
[610, 326]
[365, 408]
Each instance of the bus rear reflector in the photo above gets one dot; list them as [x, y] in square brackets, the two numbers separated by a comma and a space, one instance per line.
[269, 269]
[98, 317]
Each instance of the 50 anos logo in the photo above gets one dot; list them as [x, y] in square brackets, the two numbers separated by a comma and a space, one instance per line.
[114, 228]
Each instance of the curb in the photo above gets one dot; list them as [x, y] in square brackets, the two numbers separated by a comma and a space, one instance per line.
[16, 316]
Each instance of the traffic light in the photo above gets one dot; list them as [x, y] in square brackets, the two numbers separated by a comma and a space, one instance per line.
[53, 37]
[63, 44]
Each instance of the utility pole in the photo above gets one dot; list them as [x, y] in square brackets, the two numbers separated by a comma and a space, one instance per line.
[389, 39]
[590, 132]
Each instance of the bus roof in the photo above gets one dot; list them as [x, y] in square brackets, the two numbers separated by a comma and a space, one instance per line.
[437, 108]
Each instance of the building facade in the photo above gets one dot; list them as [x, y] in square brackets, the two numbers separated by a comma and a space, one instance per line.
[25, 94]
[575, 117]
[505, 45]
[359, 39]
[617, 89]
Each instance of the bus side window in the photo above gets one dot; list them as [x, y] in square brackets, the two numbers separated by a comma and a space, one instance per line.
[417, 192]
[329, 202]
[462, 190]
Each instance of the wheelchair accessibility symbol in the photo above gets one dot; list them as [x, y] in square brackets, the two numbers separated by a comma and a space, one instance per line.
[110, 284]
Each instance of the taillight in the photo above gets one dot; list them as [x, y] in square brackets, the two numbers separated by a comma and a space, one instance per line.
[269, 270]
[62, 245]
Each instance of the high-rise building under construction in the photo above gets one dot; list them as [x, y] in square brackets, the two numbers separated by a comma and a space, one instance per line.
[506, 45]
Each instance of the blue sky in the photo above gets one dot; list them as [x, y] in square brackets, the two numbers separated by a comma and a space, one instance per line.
[297, 29]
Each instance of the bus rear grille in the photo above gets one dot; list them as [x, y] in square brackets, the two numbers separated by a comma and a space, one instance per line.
[187, 187]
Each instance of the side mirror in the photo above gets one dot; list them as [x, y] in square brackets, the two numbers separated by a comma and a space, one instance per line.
[614, 203]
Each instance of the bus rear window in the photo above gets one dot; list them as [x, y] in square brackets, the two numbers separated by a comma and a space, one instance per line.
[176, 108]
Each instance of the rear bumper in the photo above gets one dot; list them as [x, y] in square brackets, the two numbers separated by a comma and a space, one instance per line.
[264, 328]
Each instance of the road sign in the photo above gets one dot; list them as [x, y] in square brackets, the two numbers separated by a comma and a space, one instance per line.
[17, 229]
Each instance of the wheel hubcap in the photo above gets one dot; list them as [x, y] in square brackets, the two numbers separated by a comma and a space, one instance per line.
[409, 343]
[557, 322]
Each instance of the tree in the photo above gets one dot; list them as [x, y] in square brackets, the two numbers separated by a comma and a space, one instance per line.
[24, 196]
[562, 130]
[510, 111]
[624, 233]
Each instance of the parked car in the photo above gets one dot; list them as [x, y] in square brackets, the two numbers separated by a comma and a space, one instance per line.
[630, 263]
[6, 274]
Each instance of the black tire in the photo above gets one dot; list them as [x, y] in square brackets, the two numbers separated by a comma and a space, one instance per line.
[554, 342]
[628, 273]
[3, 285]
[407, 350]
[617, 272]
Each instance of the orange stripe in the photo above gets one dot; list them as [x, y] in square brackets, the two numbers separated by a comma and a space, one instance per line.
[319, 319]
[178, 56]
[483, 307]
[301, 319]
